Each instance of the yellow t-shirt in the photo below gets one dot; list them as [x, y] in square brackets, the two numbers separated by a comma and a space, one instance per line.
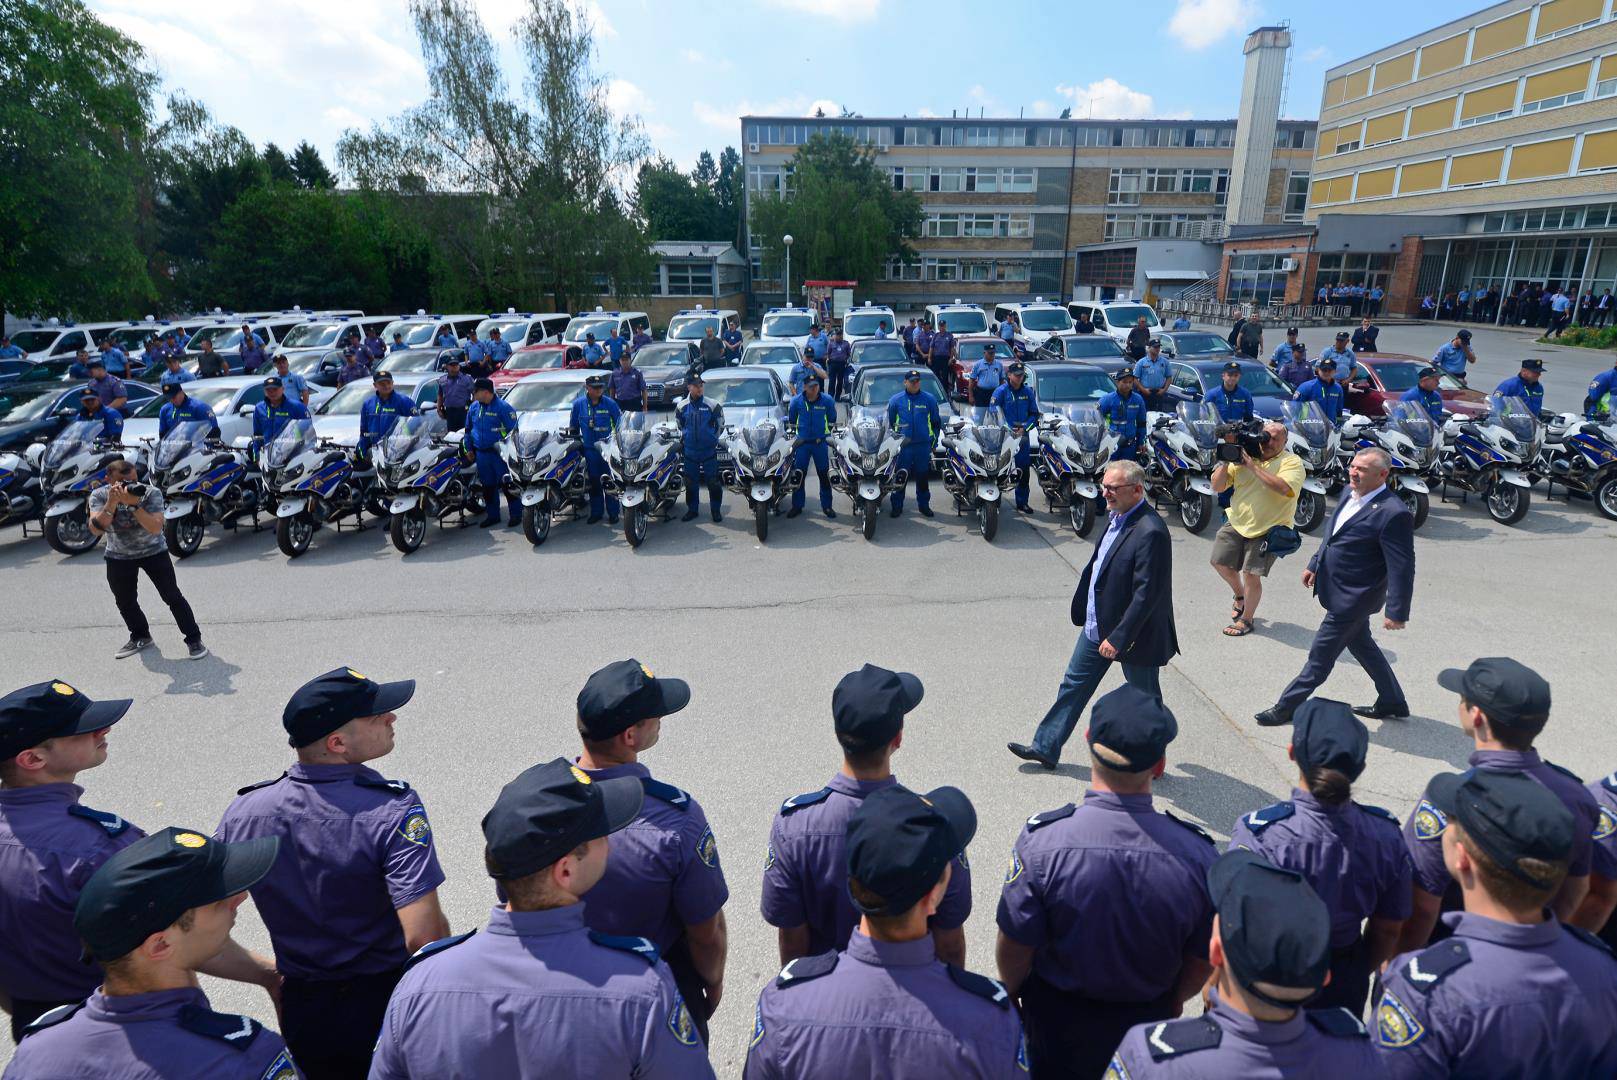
[1255, 508]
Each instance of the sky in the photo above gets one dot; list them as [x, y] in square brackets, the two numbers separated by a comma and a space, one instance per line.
[287, 70]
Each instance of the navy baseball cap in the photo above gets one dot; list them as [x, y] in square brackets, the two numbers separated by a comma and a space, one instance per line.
[1326, 735]
[899, 843]
[382, 376]
[324, 704]
[1464, 335]
[693, 378]
[1530, 364]
[868, 705]
[453, 361]
[148, 885]
[52, 710]
[1122, 373]
[1325, 364]
[622, 694]
[1428, 373]
[1291, 331]
[1275, 929]
[595, 381]
[96, 362]
[172, 388]
[549, 810]
[1133, 724]
[912, 373]
[811, 380]
[1016, 369]
[1342, 335]
[1507, 692]
[89, 392]
[1232, 368]
[484, 384]
[273, 380]
[1511, 816]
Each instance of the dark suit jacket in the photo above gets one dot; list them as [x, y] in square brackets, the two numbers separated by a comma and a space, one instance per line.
[1134, 593]
[1369, 563]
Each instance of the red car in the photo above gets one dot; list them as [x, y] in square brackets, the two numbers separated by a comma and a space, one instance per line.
[969, 350]
[532, 358]
[1390, 374]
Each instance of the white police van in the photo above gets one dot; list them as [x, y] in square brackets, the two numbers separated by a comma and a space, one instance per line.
[962, 318]
[523, 328]
[1115, 318]
[54, 339]
[1034, 322]
[864, 321]
[788, 324]
[692, 324]
[601, 323]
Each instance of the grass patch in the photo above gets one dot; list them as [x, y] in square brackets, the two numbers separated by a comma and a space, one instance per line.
[1585, 337]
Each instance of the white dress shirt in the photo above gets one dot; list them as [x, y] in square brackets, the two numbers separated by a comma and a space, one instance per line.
[1353, 506]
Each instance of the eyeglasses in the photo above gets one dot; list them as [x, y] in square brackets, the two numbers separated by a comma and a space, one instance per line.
[1115, 488]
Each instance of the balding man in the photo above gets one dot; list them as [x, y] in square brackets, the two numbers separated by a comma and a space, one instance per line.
[1263, 496]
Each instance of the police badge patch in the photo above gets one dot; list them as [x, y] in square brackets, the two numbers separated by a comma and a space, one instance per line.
[281, 1068]
[1429, 821]
[1396, 1026]
[681, 1024]
[757, 1025]
[1606, 825]
[415, 828]
[1115, 1070]
[769, 856]
[1014, 870]
[707, 849]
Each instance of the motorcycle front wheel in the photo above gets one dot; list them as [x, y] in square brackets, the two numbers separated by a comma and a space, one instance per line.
[70, 533]
[869, 511]
[1419, 503]
[1606, 495]
[293, 534]
[184, 535]
[536, 523]
[408, 530]
[634, 525]
[1081, 513]
[1507, 503]
[760, 520]
[1195, 509]
[1310, 511]
[988, 519]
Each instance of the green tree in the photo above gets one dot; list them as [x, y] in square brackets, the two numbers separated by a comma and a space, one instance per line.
[276, 165]
[672, 204]
[843, 214]
[727, 192]
[309, 170]
[75, 112]
[706, 173]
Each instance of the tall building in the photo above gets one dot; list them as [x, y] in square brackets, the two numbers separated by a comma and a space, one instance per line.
[1263, 84]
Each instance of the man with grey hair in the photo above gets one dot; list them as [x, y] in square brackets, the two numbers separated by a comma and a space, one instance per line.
[1264, 494]
[1366, 561]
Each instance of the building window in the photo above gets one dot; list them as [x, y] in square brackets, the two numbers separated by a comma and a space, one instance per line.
[689, 279]
[772, 179]
[942, 269]
[1016, 180]
[1053, 136]
[1114, 268]
[1169, 226]
[1554, 102]
[976, 270]
[1485, 118]
[1296, 197]
[1012, 270]
[900, 270]
[1354, 268]
[1123, 187]
[1128, 136]
[1092, 136]
[1256, 279]
[1605, 88]
[944, 178]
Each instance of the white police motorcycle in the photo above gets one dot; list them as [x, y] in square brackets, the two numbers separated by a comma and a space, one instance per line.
[1179, 461]
[864, 464]
[420, 476]
[73, 463]
[1493, 457]
[1411, 442]
[1312, 436]
[201, 482]
[643, 471]
[310, 483]
[761, 468]
[547, 473]
[979, 464]
[21, 501]
[1581, 456]
[1071, 447]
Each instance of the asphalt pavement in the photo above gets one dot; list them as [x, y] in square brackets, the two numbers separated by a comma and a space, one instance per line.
[500, 637]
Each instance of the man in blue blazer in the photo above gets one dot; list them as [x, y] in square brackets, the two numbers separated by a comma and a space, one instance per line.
[1366, 561]
[1124, 603]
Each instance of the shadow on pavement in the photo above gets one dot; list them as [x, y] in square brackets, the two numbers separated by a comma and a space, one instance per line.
[209, 677]
[1213, 798]
[1422, 736]
[1065, 771]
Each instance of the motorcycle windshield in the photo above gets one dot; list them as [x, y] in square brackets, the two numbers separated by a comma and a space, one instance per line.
[292, 440]
[632, 435]
[867, 429]
[531, 434]
[1308, 420]
[76, 438]
[407, 435]
[1201, 420]
[1084, 424]
[1512, 414]
[1413, 422]
[760, 437]
[991, 432]
[181, 440]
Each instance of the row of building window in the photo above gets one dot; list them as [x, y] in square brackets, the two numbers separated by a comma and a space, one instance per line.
[1597, 216]
[1125, 186]
[978, 225]
[962, 178]
[1139, 226]
[1593, 152]
[980, 270]
[696, 279]
[946, 134]
[1258, 277]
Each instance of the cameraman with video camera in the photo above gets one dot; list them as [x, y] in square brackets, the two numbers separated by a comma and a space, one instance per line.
[1265, 480]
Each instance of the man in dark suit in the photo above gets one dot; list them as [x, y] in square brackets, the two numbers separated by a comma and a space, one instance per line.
[1366, 561]
[1124, 603]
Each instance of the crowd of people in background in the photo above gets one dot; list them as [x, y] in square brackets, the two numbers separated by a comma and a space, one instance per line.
[1549, 307]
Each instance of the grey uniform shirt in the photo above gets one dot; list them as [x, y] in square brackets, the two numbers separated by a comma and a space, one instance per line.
[1315, 1044]
[127, 539]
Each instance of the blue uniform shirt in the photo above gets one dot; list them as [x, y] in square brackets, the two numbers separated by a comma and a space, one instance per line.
[813, 419]
[615, 347]
[595, 423]
[1450, 359]
[800, 371]
[700, 425]
[1530, 392]
[268, 420]
[112, 421]
[1153, 375]
[446, 339]
[988, 374]
[1312, 1044]
[295, 385]
[819, 343]
[1282, 354]
[1431, 400]
[455, 391]
[251, 354]
[1020, 408]
[376, 416]
[1007, 331]
[475, 352]
[915, 417]
[1125, 416]
[182, 376]
[498, 352]
[838, 352]
[1600, 390]
[1328, 394]
[942, 344]
[487, 424]
[593, 354]
[14, 352]
[191, 409]
[1232, 405]
[923, 340]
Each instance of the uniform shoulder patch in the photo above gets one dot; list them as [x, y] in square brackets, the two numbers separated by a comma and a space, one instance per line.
[1605, 824]
[1175, 1037]
[260, 784]
[1426, 969]
[981, 985]
[1258, 820]
[805, 968]
[228, 1028]
[681, 1024]
[667, 793]
[281, 1068]
[1379, 811]
[1589, 939]
[114, 824]
[1428, 821]
[51, 1018]
[397, 787]
[1564, 771]
[1397, 1026]
[641, 947]
[797, 802]
[1044, 817]
[1338, 1022]
[415, 827]
[1192, 826]
[433, 948]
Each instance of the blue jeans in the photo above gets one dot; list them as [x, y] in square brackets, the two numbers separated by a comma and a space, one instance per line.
[1084, 673]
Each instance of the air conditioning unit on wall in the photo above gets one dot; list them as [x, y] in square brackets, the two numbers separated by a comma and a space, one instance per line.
[752, 148]
[1288, 265]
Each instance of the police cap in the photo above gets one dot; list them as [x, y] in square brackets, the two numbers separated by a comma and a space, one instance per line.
[595, 382]
[484, 384]
[1124, 372]
[1530, 364]
[89, 392]
[382, 376]
[273, 380]
[694, 378]
[1325, 364]
[811, 380]
[1134, 726]
[899, 843]
[51, 710]
[622, 694]
[1291, 331]
[1508, 693]
[324, 704]
[1232, 368]
[1016, 368]
[868, 705]
[912, 375]
[1510, 816]
[148, 885]
[1464, 335]
[172, 387]
[1154, 343]
[1326, 735]
[549, 810]
[452, 361]
[1429, 373]
[1342, 335]
[1275, 929]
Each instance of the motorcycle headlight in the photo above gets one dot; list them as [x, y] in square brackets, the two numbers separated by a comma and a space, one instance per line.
[631, 468]
[411, 469]
[1508, 444]
[774, 459]
[293, 473]
[975, 457]
[180, 474]
[883, 458]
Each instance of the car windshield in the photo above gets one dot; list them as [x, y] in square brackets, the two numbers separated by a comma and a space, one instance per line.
[412, 360]
[307, 363]
[971, 352]
[26, 402]
[293, 439]
[1185, 343]
[880, 385]
[214, 397]
[415, 332]
[1398, 377]
[312, 335]
[541, 359]
[632, 434]
[1201, 419]
[75, 438]
[1129, 314]
[1411, 419]
[223, 337]
[1045, 318]
[30, 341]
[1056, 387]
[691, 327]
[552, 395]
[786, 324]
[131, 339]
[581, 326]
[867, 428]
[662, 356]
[877, 352]
[756, 391]
[514, 331]
[1089, 347]
[965, 321]
[180, 441]
[406, 435]
[771, 354]
[863, 323]
[1084, 424]
[1307, 419]
[349, 400]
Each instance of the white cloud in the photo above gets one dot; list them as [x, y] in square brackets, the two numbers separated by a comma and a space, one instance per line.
[1197, 24]
[840, 11]
[1318, 52]
[1108, 98]
[624, 97]
[727, 118]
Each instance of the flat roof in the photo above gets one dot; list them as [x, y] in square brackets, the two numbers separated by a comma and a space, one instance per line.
[1011, 120]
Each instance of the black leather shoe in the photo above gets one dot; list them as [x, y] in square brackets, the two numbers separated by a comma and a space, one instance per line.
[1272, 718]
[794, 511]
[716, 515]
[830, 513]
[612, 519]
[592, 519]
[926, 511]
[894, 512]
[1382, 712]
[690, 515]
[1023, 508]
[487, 522]
[1028, 753]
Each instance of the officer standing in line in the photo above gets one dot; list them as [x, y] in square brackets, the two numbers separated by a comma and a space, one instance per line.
[595, 417]
[616, 346]
[181, 408]
[373, 346]
[1104, 918]
[398, 345]
[1019, 405]
[108, 388]
[496, 352]
[1270, 953]
[888, 998]
[628, 386]
[732, 342]
[800, 371]
[90, 408]
[275, 411]
[1324, 389]
[593, 353]
[987, 376]
[1512, 991]
[640, 340]
[455, 390]
[154, 915]
[923, 344]
[818, 343]
[380, 410]
[812, 416]
[1342, 354]
[1454, 355]
[151, 358]
[1007, 329]
[1151, 372]
[445, 339]
[1124, 411]
[251, 351]
[1351, 853]
[837, 355]
[353, 367]
[8, 351]
[1424, 393]
[1232, 400]
[476, 354]
[1596, 910]
[943, 354]
[1597, 402]
[537, 993]
[173, 372]
[113, 357]
[664, 881]
[1526, 386]
[1285, 352]
[701, 423]
[805, 893]
[354, 891]
[912, 413]
[488, 421]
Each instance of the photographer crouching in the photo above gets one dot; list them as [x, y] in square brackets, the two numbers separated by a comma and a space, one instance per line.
[130, 515]
[1265, 480]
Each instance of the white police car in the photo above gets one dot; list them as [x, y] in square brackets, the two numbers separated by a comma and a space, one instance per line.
[601, 323]
[53, 339]
[520, 329]
[866, 320]
[787, 324]
[1033, 322]
[692, 324]
[962, 318]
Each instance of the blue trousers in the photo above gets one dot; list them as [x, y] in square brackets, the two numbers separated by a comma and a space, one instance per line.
[1126, 451]
[705, 471]
[1336, 633]
[595, 465]
[916, 459]
[1084, 673]
[838, 376]
[820, 454]
[491, 470]
[1024, 465]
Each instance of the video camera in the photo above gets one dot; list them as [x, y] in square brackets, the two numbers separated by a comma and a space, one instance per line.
[1241, 435]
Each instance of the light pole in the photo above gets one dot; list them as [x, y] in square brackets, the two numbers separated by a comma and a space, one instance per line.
[787, 240]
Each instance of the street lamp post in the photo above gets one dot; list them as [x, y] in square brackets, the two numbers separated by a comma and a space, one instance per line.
[787, 240]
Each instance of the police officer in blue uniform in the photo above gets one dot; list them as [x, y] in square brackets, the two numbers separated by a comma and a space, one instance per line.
[912, 413]
[1104, 917]
[1019, 405]
[381, 409]
[1352, 854]
[180, 408]
[275, 412]
[1424, 393]
[1525, 385]
[1597, 402]
[355, 889]
[496, 352]
[90, 408]
[595, 417]
[888, 1005]
[701, 424]
[537, 993]
[1124, 411]
[154, 915]
[837, 355]
[488, 421]
[812, 416]
[1324, 389]
[1270, 953]
[476, 356]
[805, 366]
[1512, 991]
[1232, 400]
